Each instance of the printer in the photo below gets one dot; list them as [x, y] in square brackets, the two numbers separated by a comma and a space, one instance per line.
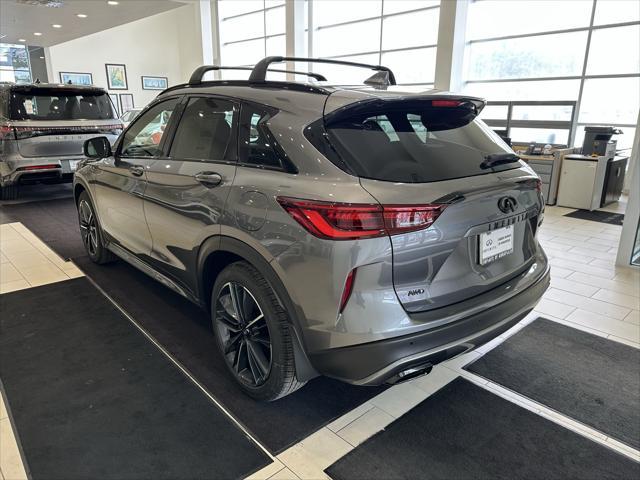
[595, 177]
[597, 141]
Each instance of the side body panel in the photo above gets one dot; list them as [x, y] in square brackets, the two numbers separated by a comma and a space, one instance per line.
[182, 213]
[118, 193]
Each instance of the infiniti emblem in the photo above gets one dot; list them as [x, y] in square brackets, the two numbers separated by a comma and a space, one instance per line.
[507, 204]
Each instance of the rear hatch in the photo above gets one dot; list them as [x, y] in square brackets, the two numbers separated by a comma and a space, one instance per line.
[432, 151]
[56, 121]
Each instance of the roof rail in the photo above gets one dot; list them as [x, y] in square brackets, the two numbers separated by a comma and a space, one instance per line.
[198, 73]
[259, 72]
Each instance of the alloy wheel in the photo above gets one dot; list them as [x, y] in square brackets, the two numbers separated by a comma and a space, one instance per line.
[244, 334]
[88, 227]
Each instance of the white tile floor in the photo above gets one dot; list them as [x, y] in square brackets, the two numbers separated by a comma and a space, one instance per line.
[588, 292]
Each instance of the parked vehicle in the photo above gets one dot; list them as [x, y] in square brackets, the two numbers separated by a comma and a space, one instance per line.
[361, 233]
[128, 116]
[43, 128]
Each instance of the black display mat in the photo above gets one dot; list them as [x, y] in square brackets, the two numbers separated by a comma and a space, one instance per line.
[588, 378]
[598, 216]
[91, 397]
[466, 432]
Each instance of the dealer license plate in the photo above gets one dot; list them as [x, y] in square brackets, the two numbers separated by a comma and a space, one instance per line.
[496, 244]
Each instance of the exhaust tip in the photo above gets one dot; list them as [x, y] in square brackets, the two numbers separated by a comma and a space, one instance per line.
[410, 373]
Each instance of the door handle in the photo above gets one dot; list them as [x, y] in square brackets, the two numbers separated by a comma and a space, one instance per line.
[209, 179]
[136, 170]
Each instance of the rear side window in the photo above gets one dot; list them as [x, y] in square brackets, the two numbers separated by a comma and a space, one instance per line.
[416, 142]
[258, 147]
[205, 131]
[60, 104]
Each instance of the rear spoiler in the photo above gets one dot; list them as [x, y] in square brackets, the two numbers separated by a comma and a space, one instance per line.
[471, 106]
[259, 72]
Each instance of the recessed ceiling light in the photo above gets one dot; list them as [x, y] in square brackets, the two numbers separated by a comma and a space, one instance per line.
[112, 2]
[37, 34]
[55, 25]
[21, 40]
[81, 15]
[42, 58]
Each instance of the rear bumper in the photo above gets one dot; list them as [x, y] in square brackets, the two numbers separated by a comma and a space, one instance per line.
[34, 170]
[376, 362]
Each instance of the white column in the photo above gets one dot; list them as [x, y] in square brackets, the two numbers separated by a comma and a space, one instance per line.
[295, 35]
[632, 212]
[451, 42]
[50, 72]
[206, 31]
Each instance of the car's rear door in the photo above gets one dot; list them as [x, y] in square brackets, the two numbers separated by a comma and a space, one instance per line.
[186, 193]
[120, 180]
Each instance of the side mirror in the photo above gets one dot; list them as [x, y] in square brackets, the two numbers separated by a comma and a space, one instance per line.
[97, 147]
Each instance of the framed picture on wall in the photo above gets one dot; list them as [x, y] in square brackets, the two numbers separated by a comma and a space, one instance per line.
[76, 78]
[154, 83]
[126, 102]
[116, 103]
[116, 76]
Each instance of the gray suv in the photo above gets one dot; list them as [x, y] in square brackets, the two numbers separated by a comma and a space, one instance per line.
[43, 128]
[364, 233]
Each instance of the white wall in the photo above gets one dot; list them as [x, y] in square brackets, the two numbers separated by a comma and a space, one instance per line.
[165, 45]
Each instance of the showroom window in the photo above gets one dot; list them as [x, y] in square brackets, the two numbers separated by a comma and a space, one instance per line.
[566, 50]
[397, 33]
[249, 31]
[14, 63]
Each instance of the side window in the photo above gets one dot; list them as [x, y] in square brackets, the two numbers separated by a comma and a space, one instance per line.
[144, 137]
[257, 145]
[205, 131]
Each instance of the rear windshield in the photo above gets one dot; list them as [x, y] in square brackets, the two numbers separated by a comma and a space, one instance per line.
[421, 144]
[51, 104]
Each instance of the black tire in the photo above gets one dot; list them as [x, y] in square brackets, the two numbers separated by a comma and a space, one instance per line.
[92, 238]
[9, 192]
[274, 327]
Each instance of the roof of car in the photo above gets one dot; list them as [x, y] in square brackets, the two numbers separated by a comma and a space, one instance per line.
[302, 95]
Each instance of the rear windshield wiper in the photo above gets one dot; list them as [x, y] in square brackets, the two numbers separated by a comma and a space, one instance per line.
[495, 159]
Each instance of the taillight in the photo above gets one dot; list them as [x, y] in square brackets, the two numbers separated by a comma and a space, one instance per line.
[347, 221]
[28, 132]
[39, 167]
[7, 132]
[348, 288]
[539, 185]
[22, 132]
[114, 129]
